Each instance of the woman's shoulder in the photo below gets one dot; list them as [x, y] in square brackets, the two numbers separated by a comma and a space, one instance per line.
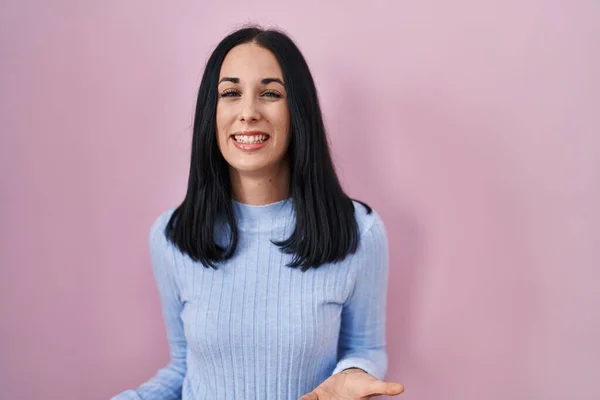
[157, 235]
[367, 218]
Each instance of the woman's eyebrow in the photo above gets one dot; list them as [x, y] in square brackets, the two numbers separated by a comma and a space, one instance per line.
[269, 80]
[229, 79]
[264, 81]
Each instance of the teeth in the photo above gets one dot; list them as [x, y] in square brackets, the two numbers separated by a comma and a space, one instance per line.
[250, 138]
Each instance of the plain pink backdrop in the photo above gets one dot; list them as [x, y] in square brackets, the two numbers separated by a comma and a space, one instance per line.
[471, 126]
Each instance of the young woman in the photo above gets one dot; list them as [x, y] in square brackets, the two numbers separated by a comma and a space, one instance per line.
[273, 281]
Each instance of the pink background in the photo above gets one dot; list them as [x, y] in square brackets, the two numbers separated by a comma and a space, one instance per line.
[471, 126]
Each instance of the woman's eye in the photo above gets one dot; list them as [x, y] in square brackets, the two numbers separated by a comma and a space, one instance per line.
[272, 93]
[229, 93]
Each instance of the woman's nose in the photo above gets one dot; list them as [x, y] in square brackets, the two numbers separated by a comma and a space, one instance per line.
[249, 111]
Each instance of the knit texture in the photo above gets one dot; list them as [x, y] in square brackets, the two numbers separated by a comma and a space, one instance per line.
[256, 329]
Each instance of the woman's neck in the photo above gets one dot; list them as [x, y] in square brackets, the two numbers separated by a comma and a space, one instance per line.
[261, 188]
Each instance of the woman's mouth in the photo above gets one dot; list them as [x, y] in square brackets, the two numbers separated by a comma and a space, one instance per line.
[250, 141]
[256, 138]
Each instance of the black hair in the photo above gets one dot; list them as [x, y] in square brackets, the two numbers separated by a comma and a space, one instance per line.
[326, 228]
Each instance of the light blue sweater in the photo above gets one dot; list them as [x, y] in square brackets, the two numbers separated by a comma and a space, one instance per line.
[256, 329]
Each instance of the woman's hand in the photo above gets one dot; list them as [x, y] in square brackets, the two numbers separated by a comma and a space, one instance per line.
[353, 384]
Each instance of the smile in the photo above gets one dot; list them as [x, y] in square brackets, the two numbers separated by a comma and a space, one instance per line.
[255, 138]
[250, 141]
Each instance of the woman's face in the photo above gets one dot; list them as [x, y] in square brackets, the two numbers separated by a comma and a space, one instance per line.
[253, 119]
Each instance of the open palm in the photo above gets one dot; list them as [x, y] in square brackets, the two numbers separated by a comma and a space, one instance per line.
[353, 384]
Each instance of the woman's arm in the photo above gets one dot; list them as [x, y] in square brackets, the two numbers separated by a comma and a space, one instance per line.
[362, 334]
[168, 381]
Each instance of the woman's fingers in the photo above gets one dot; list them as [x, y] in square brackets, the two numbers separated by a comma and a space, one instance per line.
[376, 388]
[310, 396]
[387, 388]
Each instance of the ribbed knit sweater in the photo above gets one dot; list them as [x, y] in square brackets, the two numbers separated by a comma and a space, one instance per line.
[257, 329]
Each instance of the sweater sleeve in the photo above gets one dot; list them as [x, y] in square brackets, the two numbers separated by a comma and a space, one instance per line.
[167, 383]
[362, 342]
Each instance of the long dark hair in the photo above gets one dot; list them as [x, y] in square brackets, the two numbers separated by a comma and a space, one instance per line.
[326, 229]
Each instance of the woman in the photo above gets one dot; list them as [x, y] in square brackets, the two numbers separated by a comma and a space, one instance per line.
[272, 280]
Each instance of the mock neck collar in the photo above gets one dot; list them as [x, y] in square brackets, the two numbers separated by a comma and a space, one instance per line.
[262, 217]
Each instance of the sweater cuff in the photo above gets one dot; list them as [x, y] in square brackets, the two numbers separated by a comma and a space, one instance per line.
[360, 363]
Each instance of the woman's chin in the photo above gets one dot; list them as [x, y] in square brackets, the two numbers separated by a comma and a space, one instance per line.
[250, 168]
